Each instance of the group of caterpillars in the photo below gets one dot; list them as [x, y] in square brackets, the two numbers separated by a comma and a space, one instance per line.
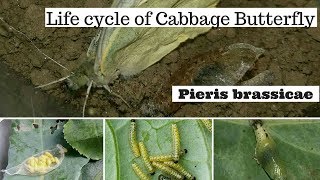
[168, 163]
[266, 153]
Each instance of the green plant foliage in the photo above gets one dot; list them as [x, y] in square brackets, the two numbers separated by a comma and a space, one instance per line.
[111, 149]
[297, 142]
[93, 171]
[27, 139]
[157, 137]
[86, 137]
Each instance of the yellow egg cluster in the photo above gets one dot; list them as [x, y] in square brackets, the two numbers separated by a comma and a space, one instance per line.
[42, 163]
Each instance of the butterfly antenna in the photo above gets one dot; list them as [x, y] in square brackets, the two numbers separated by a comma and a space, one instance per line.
[38, 49]
[86, 99]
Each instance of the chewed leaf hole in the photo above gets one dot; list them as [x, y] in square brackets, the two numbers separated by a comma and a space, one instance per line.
[35, 125]
[23, 127]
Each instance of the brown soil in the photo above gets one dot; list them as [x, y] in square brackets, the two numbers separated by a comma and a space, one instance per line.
[292, 54]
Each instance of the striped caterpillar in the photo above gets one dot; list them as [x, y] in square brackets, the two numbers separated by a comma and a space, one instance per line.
[133, 138]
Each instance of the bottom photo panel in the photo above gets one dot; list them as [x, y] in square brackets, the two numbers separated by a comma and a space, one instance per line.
[51, 149]
[267, 149]
[160, 149]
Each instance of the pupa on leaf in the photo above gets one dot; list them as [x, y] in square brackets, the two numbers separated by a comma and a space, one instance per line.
[266, 153]
[39, 164]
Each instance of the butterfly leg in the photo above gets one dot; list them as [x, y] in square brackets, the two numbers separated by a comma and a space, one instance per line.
[54, 82]
[115, 94]
[86, 99]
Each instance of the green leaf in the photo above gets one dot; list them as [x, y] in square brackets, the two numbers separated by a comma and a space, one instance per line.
[111, 149]
[93, 171]
[156, 135]
[27, 140]
[297, 142]
[86, 137]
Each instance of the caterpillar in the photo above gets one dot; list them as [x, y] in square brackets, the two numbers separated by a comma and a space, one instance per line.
[146, 159]
[166, 157]
[266, 153]
[175, 142]
[207, 123]
[180, 169]
[139, 172]
[158, 158]
[167, 170]
[133, 139]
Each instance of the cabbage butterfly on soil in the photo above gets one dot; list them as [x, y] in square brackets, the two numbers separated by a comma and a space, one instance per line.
[127, 51]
